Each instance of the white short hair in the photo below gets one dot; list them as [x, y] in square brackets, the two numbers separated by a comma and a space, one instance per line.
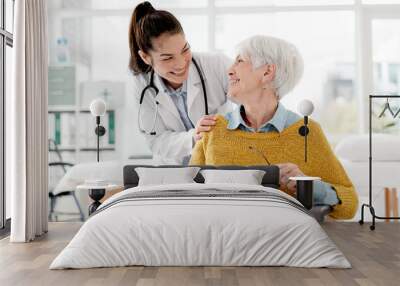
[263, 50]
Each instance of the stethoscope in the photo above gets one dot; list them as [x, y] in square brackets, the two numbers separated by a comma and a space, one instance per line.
[151, 85]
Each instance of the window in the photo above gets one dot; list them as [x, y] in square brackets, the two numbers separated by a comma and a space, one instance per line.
[325, 31]
[6, 43]
[328, 53]
[386, 72]
[129, 4]
[88, 41]
[386, 58]
[381, 1]
[242, 3]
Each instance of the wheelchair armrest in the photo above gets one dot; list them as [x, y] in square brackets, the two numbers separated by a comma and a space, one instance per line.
[319, 212]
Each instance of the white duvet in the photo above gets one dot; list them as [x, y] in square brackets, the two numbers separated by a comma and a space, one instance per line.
[200, 231]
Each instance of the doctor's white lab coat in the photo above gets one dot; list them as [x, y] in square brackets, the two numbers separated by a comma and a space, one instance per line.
[172, 143]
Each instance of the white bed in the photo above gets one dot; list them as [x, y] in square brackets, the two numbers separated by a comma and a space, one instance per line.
[185, 230]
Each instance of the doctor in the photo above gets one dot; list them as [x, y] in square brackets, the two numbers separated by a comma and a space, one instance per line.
[175, 89]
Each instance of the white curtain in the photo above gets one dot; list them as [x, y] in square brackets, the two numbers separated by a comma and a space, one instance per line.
[27, 122]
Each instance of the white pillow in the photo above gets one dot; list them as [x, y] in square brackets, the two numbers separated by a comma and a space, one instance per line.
[385, 147]
[166, 176]
[248, 177]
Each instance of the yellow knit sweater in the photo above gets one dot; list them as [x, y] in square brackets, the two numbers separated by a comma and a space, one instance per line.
[222, 146]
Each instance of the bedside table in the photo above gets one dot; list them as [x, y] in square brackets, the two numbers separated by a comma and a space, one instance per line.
[304, 192]
[97, 190]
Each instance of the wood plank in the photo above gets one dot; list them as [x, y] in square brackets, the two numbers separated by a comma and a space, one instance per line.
[395, 203]
[387, 203]
[374, 255]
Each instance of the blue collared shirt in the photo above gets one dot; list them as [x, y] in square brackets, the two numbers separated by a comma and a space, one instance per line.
[179, 97]
[283, 118]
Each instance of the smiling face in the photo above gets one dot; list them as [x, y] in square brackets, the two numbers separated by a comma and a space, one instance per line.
[244, 79]
[170, 58]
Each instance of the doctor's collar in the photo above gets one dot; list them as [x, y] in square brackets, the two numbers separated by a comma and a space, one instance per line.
[278, 120]
[168, 89]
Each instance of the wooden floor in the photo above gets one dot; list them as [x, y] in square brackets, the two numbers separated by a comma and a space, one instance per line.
[375, 256]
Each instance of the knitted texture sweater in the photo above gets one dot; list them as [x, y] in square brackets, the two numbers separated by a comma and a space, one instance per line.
[221, 146]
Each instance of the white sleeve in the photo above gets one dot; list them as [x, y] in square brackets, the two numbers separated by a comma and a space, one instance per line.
[222, 72]
[171, 147]
[221, 69]
[227, 107]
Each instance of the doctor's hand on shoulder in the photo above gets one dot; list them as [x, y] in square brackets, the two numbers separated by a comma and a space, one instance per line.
[204, 124]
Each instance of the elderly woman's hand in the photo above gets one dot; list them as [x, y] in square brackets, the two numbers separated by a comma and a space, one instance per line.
[204, 125]
[287, 170]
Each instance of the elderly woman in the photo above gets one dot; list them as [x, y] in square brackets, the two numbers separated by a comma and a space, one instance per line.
[262, 131]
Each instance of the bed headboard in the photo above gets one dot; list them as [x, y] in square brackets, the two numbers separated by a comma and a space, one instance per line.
[270, 179]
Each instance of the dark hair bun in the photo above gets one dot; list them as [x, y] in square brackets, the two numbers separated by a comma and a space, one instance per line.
[143, 9]
[147, 24]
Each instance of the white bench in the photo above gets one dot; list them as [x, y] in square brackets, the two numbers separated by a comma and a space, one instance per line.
[353, 152]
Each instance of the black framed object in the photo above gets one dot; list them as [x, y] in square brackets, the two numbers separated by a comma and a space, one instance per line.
[270, 179]
[370, 202]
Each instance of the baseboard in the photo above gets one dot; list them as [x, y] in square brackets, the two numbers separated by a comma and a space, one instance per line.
[5, 231]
